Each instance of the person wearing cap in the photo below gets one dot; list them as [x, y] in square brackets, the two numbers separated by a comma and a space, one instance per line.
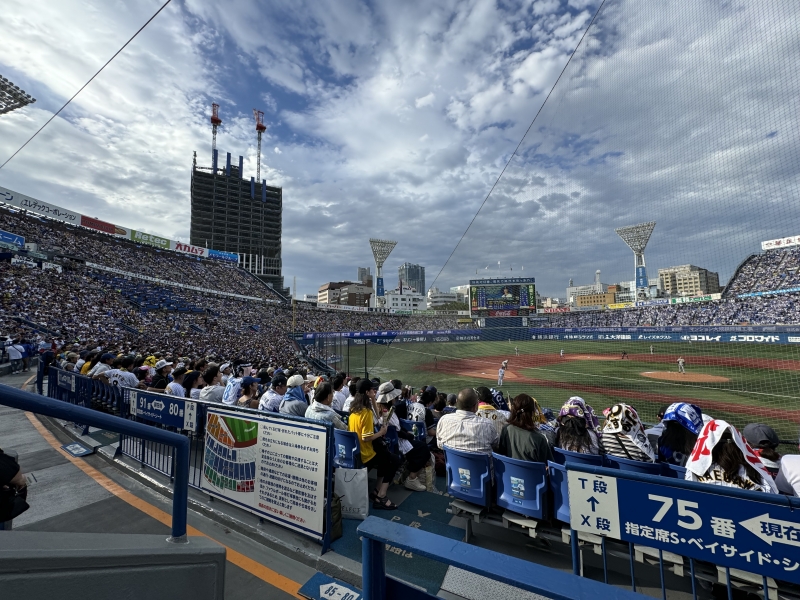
[176, 387]
[272, 398]
[764, 442]
[213, 390]
[226, 371]
[414, 451]
[160, 379]
[373, 455]
[294, 401]
[249, 397]
[682, 423]
[103, 364]
[320, 409]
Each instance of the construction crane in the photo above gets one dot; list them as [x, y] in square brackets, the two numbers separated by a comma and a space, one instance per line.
[260, 128]
[215, 122]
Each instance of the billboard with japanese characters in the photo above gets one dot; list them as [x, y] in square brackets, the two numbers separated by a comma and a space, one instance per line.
[272, 466]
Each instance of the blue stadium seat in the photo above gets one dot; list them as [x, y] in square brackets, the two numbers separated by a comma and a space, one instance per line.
[521, 486]
[562, 456]
[673, 471]
[392, 439]
[637, 466]
[560, 487]
[347, 448]
[407, 425]
[468, 476]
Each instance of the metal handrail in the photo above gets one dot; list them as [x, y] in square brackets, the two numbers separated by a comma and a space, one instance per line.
[34, 403]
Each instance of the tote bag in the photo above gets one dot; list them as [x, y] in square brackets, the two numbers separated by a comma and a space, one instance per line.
[351, 486]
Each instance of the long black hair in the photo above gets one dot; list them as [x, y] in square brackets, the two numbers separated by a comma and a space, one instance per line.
[677, 438]
[729, 458]
[573, 435]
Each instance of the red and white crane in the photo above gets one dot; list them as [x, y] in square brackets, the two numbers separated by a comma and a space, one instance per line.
[215, 122]
[260, 128]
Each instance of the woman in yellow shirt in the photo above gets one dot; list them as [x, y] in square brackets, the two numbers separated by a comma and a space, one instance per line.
[373, 456]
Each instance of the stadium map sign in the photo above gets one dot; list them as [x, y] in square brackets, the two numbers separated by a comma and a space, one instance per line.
[272, 466]
[739, 531]
[509, 297]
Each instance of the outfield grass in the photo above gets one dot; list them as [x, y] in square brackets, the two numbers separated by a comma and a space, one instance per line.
[755, 393]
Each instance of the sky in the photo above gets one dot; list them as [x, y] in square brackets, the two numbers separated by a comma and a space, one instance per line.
[395, 120]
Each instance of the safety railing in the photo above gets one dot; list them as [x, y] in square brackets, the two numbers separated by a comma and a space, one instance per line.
[61, 409]
[377, 533]
[212, 468]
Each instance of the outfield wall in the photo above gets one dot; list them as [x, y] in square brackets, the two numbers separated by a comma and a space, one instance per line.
[765, 334]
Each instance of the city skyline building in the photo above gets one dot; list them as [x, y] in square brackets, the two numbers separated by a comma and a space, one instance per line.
[412, 275]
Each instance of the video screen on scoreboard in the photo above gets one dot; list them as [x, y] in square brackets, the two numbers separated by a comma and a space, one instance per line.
[511, 297]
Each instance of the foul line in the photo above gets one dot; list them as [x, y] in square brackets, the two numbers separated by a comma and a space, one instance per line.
[237, 558]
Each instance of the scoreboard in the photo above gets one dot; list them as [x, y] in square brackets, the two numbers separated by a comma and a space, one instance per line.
[509, 297]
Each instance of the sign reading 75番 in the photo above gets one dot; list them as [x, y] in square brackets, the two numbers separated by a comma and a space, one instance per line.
[733, 531]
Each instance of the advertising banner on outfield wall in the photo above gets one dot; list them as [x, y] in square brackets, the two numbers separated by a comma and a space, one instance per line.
[781, 243]
[766, 334]
[790, 290]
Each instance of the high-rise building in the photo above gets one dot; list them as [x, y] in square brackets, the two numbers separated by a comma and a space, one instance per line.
[413, 276]
[232, 214]
[364, 275]
[688, 280]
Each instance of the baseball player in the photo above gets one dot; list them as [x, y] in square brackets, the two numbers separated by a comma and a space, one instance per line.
[681, 364]
[516, 351]
[562, 352]
[501, 373]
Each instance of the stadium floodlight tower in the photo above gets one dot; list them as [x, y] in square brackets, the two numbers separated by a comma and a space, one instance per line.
[11, 97]
[637, 236]
[381, 249]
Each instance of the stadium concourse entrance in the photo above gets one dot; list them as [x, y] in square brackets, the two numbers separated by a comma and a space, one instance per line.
[742, 374]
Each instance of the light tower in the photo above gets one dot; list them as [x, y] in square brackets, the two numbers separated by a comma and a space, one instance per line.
[381, 249]
[637, 236]
[215, 122]
[260, 128]
[11, 97]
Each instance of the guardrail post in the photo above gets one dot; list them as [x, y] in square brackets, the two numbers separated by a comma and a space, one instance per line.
[576, 552]
[180, 494]
[373, 565]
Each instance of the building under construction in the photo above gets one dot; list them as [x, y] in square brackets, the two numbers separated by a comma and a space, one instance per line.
[232, 214]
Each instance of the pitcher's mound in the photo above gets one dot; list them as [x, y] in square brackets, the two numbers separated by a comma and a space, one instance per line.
[688, 377]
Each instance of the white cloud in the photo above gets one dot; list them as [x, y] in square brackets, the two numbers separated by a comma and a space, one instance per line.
[425, 100]
[277, 150]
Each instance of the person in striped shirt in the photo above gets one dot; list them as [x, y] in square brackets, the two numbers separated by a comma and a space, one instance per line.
[464, 429]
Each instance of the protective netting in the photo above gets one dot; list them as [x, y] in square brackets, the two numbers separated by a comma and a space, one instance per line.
[682, 113]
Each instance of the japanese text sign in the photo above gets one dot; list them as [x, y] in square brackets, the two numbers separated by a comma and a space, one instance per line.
[161, 408]
[727, 530]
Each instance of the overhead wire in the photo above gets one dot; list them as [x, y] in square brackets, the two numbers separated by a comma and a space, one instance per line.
[100, 70]
[538, 112]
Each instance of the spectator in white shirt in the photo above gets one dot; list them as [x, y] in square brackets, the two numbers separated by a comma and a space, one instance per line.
[339, 395]
[464, 429]
[15, 351]
[176, 387]
[121, 376]
[103, 365]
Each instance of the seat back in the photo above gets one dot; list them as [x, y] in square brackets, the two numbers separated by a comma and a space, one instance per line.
[347, 449]
[560, 488]
[674, 471]
[521, 486]
[637, 466]
[409, 426]
[562, 456]
[468, 476]
[392, 439]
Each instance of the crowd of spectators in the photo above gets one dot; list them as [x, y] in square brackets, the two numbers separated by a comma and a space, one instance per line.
[766, 272]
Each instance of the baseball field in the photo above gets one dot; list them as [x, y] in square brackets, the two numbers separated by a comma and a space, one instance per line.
[742, 383]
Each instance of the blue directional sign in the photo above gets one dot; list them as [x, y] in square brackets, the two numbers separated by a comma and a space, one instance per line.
[161, 408]
[751, 531]
[77, 450]
[323, 587]
[66, 380]
[12, 238]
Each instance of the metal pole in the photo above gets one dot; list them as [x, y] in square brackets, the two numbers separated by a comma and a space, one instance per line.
[366, 376]
[373, 576]
[576, 552]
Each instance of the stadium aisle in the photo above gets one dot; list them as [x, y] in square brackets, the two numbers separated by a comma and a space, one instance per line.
[93, 497]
